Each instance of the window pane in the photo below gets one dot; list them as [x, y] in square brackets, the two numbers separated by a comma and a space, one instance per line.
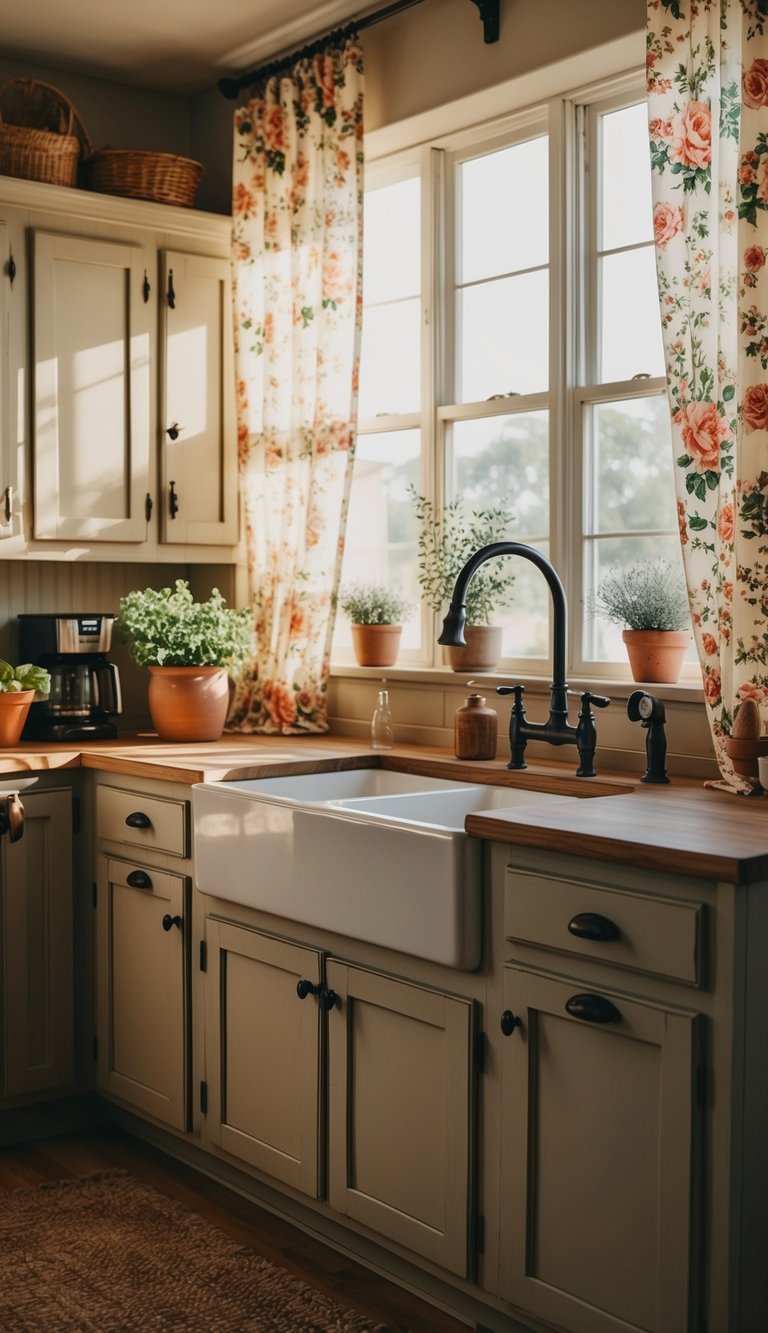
[503, 461]
[504, 211]
[382, 531]
[630, 324]
[629, 460]
[390, 371]
[626, 209]
[602, 641]
[503, 337]
[392, 250]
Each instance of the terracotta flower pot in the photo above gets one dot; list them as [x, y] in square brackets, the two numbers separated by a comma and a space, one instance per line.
[744, 752]
[188, 703]
[482, 651]
[376, 645]
[14, 707]
[656, 655]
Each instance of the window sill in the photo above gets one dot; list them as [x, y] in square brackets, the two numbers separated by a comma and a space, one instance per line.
[684, 692]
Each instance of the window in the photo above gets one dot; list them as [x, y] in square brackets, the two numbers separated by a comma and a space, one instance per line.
[512, 355]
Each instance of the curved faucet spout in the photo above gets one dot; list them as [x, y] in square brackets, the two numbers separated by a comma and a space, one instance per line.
[453, 625]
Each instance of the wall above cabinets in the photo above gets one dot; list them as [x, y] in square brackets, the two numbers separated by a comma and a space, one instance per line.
[117, 424]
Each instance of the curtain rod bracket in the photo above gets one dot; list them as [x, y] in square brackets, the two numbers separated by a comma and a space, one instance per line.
[489, 16]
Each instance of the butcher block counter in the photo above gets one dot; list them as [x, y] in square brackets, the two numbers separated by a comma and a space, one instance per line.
[682, 827]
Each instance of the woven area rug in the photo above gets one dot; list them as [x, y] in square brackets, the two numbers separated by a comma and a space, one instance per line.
[108, 1254]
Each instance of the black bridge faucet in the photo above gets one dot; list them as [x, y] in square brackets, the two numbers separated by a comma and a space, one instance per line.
[557, 730]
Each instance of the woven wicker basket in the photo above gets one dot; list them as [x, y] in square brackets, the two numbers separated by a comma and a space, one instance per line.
[161, 177]
[41, 134]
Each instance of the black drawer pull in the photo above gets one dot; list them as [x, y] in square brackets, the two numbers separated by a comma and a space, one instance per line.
[138, 820]
[592, 926]
[138, 879]
[168, 921]
[592, 1009]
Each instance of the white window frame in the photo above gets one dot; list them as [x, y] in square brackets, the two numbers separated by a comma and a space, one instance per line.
[573, 386]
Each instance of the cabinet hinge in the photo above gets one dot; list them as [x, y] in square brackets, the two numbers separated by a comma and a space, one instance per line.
[94, 895]
[478, 1053]
[148, 507]
[203, 1097]
[702, 1085]
[478, 1234]
[95, 1050]
[10, 269]
[203, 956]
[75, 814]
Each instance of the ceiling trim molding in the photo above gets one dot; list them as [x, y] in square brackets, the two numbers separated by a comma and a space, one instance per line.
[295, 32]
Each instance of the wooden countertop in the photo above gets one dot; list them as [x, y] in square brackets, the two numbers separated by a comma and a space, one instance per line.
[683, 827]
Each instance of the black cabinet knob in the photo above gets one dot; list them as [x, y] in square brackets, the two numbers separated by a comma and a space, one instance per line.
[509, 1022]
[170, 921]
[305, 988]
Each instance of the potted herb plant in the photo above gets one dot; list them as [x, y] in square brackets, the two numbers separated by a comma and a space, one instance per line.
[375, 614]
[446, 541]
[650, 600]
[18, 687]
[187, 647]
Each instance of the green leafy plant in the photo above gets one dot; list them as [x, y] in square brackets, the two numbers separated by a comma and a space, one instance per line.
[169, 628]
[647, 595]
[373, 604]
[24, 677]
[447, 540]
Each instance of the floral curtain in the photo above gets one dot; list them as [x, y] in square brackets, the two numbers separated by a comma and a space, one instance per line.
[297, 238]
[707, 65]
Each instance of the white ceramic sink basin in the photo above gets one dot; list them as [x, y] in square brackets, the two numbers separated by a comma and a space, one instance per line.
[367, 853]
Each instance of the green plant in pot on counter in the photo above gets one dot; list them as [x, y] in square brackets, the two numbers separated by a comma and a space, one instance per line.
[18, 687]
[650, 600]
[187, 647]
[447, 539]
[376, 615]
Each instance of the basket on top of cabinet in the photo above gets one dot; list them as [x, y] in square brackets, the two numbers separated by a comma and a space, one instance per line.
[163, 178]
[42, 138]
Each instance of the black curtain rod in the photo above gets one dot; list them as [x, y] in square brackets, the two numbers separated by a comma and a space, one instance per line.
[231, 87]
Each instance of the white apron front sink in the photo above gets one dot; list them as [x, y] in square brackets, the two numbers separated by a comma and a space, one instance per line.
[367, 853]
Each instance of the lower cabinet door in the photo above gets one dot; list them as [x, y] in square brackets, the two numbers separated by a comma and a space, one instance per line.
[400, 1112]
[143, 926]
[599, 1155]
[37, 947]
[262, 1047]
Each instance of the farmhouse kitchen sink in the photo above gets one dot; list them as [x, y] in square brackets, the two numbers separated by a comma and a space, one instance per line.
[376, 855]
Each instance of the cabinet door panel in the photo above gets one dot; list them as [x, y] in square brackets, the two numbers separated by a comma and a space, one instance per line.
[400, 1112]
[597, 1114]
[91, 390]
[198, 401]
[263, 1053]
[143, 979]
[38, 946]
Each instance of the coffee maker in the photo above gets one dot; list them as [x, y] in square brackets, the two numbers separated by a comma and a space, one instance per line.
[85, 686]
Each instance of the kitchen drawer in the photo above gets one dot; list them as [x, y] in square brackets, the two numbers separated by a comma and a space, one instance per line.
[661, 936]
[143, 821]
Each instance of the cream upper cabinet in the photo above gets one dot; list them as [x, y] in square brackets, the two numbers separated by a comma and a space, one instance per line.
[91, 376]
[197, 414]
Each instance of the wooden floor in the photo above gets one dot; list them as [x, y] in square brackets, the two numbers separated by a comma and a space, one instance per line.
[81, 1154]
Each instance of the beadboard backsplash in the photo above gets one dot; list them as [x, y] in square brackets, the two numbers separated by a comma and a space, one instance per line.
[42, 586]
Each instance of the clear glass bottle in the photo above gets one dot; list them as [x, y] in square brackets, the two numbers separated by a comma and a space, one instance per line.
[382, 731]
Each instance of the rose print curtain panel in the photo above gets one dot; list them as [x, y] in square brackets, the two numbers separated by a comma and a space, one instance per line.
[708, 110]
[297, 230]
